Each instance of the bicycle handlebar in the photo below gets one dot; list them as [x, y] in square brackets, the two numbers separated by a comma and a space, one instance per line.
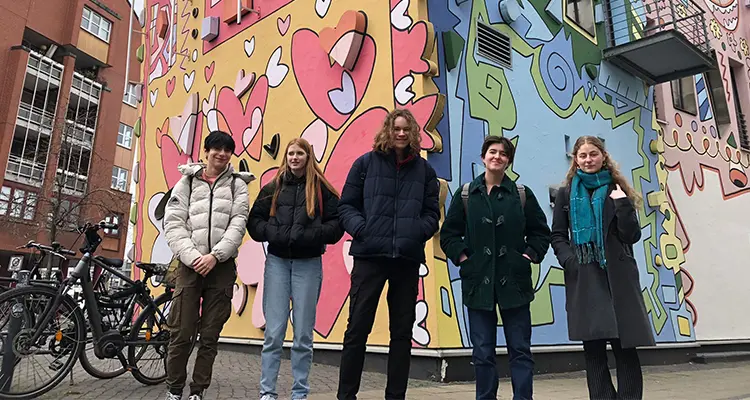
[54, 249]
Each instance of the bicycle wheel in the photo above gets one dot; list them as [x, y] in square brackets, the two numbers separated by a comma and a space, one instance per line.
[148, 342]
[102, 368]
[27, 375]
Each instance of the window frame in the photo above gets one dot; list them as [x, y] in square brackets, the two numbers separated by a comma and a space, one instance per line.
[129, 96]
[103, 25]
[16, 207]
[117, 218]
[121, 131]
[576, 17]
[681, 96]
[119, 170]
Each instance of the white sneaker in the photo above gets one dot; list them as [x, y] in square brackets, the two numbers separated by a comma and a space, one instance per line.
[196, 396]
[267, 397]
[172, 396]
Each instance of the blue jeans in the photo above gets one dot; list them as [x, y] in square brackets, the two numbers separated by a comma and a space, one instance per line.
[300, 280]
[483, 334]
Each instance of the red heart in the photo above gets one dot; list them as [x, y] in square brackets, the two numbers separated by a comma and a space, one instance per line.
[316, 76]
[170, 86]
[208, 71]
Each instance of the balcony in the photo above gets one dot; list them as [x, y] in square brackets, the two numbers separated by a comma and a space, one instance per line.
[25, 171]
[657, 40]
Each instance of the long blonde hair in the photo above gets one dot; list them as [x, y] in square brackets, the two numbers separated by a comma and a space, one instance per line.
[608, 164]
[384, 139]
[314, 178]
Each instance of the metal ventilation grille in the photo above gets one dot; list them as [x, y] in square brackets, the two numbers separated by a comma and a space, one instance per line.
[494, 45]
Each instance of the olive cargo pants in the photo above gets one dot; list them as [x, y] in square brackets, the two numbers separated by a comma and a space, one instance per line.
[215, 289]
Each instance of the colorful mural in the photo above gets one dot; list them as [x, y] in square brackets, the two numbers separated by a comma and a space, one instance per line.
[329, 70]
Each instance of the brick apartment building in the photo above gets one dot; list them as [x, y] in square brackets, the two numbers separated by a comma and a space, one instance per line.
[66, 121]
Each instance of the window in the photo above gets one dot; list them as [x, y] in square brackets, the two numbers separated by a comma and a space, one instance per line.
[124, 135]
[718, 96]
[119, 179]
[131, 95]
[582, 13]
[69, 215]
[17, 203]
[683, 95]
[113, 219]
[96, 24]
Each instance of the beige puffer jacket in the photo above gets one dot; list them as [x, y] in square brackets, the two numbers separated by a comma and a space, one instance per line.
[207, 220]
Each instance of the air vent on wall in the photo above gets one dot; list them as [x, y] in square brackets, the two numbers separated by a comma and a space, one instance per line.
[494, 45]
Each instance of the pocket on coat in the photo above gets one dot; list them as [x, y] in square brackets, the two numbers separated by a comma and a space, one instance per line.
[522, 271]
[173, 318]
[467, 269]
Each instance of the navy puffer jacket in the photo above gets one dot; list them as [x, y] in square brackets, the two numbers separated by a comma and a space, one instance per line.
[390, 209]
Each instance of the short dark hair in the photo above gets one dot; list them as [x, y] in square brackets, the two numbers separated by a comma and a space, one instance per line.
[218, 140]
[510, 150]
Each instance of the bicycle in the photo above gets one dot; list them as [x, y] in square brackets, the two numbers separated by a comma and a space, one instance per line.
[58, 328]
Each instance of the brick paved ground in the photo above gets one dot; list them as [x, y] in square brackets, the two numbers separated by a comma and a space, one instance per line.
[236, 377]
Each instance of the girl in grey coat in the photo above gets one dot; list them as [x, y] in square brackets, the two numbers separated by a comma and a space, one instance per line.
[594, 227]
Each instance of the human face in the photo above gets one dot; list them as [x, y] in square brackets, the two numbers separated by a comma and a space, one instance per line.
[296, 159]
[217, 159]
[400, 133]
[589, 158]
[495, 159]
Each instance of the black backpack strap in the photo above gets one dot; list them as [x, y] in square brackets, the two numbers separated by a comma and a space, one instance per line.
[522, 195]
[465, 197]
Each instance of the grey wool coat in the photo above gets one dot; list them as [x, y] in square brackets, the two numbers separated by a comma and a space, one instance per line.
[603, 304]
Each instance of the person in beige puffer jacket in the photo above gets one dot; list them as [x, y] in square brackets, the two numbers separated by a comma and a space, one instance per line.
[204, 223]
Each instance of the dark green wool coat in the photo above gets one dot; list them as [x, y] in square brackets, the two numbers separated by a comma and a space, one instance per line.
[495, 234]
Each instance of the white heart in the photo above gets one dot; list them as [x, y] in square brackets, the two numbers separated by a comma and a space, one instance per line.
[399, 19]
[348, 260]
[317, 135]
[152, 96]
[423, 270]
[401, 92]
[249, 134]
[275, 71]
[250, 46]
[213, 119]
[210, 101]
[160, 252]
[322, 6]
[418, 333]
[187, 81]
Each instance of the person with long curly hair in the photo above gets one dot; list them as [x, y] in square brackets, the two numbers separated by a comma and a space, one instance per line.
[297, 215]
[389, 206]
[594, 228]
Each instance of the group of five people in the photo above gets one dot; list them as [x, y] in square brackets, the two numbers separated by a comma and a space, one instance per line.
[493, 230]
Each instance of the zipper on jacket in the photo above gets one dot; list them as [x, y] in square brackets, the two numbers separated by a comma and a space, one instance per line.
[211, 205]
[395, 210]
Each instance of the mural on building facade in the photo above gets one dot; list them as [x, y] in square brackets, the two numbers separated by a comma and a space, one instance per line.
[329, 70]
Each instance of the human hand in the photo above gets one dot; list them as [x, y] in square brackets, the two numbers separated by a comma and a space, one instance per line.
[462, 258]
[205, 264]
[618, 193]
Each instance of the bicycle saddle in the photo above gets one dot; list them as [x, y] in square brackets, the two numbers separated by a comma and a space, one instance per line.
[154, 268]
[112, 262]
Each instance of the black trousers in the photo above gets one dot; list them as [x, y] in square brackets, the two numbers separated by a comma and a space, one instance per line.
[629, 375]
[368, 279]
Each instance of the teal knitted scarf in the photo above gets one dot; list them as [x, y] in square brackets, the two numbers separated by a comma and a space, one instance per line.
[586, 215]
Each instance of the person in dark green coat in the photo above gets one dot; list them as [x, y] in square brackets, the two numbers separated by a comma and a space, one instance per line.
[494, 240]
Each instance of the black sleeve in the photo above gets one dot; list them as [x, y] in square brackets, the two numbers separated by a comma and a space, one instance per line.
[561, 228]
[257, 222]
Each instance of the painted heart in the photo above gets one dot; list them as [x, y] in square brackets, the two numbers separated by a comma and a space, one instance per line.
[249, 134]
[171, 85]
[283, 24]
[428, 111]
[239, 298]
[209, 102]
[208, 71]
[402, 92]
[399, 17]
[243, 83]
[187, 124]
[348, 259]
[317, 135]
[251, 262]
[273, 147]
[316, 76]
[344, 42]
[152, 95]
[321, 7]
[344, 99]
[250, 46]
[187, 81]
[419, 334]
[275, 70]
[231, 116]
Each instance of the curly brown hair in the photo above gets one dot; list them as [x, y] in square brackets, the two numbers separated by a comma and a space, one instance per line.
[608, 164]
[384, 138]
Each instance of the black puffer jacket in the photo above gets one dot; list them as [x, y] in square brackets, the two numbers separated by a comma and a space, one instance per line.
[291, 233]
[391, 209]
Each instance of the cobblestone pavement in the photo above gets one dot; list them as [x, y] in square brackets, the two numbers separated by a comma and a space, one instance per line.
[236, 376]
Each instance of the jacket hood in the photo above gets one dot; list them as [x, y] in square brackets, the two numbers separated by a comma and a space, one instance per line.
[194, 169]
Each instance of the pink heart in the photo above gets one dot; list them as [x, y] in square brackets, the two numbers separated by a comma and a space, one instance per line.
[208, 72]
[355, 141]
[317, 135]
[283, 24]
[172, 156]
[316, 76]
[239, 298]
[238, 117]
[251, 262]
[170, 86]
[243, 83]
